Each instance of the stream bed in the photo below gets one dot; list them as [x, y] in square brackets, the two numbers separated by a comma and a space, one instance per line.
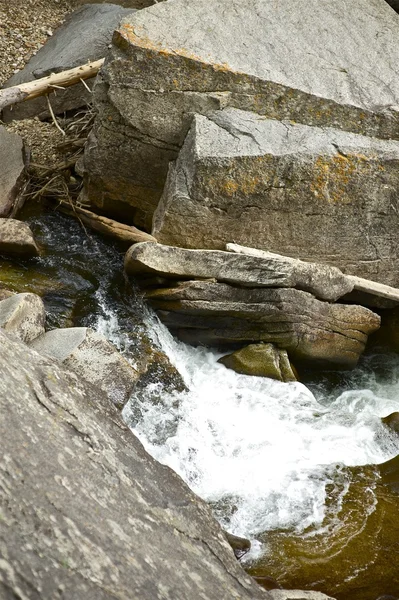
[292, 467]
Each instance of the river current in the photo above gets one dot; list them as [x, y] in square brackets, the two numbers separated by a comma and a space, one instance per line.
[268, 456]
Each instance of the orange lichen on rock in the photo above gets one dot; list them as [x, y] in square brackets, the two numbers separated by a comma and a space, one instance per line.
[333, 176]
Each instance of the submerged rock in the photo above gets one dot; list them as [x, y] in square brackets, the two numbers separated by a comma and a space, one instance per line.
[13, 175]
[261, 360]
[284, 60]
[23, 315]
[86, 512]
[318, 193]
[325, 282]
[16, 239]
[84, 36]
[353, 552]
[92, 357]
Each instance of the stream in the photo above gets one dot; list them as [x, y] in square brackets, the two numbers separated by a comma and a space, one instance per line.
[292, 467]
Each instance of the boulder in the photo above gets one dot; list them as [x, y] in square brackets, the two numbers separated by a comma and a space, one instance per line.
[5, 293]
[86, 512]
[284, 60]
[316, 193]
[327, 283]
[217, 314]
[13, 161]
[261, 360]
[16, 239]
[23, 315]
[92, 357]
[240, 545]
[84, 36]
[298, 595]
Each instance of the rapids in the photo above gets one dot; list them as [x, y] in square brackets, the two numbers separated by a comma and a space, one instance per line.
[269, 457]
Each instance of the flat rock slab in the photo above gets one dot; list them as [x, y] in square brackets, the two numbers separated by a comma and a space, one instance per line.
[23, 315]
[92, 357]
[16, 239]
[285, 60]
[86, 510]
[315, 193]
[323, 281]
[84, 36]
[13, 161]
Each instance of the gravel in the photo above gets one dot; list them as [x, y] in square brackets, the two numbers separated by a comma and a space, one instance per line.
[25, 25]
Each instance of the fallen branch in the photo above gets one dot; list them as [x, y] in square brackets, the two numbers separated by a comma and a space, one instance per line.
[45, 85]
[109, 227]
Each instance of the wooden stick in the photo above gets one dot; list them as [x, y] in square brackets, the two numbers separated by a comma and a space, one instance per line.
[45, 85]
[108, 227]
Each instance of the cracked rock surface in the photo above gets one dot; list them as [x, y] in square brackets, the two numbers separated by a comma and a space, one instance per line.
[316, 193]
[85, 511]
[284, 60]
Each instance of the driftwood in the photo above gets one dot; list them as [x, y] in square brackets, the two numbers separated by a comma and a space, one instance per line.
[119, 231]
[359, 284]
[45, 85]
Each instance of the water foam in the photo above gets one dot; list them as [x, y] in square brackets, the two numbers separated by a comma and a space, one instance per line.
[262, 452]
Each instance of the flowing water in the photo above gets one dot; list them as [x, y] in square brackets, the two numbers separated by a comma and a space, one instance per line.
[279, 463]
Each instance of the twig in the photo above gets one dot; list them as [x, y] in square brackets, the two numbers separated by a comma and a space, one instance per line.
[53, 115]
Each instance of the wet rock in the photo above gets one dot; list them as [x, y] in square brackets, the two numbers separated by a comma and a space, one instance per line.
[84, 36]
[261, 360]
[317, 193]
[392, 421]
[13, 176]
[86, 510]
[250, 55]
[16, 239]
[325, 282]
[23, 315]
[92, 357]
[240, 545]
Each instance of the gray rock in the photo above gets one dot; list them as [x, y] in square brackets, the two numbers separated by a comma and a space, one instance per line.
[16, 239]
[13, 161]
[86, 512]
[84, 36]
[315, 332]
[260, 360]
[285, 60]
[316, 193]
[323, 281]
[92, 357]
[23, 315]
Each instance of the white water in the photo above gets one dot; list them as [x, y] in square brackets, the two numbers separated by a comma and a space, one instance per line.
[265, 449]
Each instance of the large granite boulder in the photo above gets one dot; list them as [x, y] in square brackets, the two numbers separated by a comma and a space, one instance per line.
[86, 512]
[84, 36]
[284, 60]
[16, 239]
[268, 270]
[23, 315]
[318, 193]
[92, 357]
[13, 174]
[315, 332]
